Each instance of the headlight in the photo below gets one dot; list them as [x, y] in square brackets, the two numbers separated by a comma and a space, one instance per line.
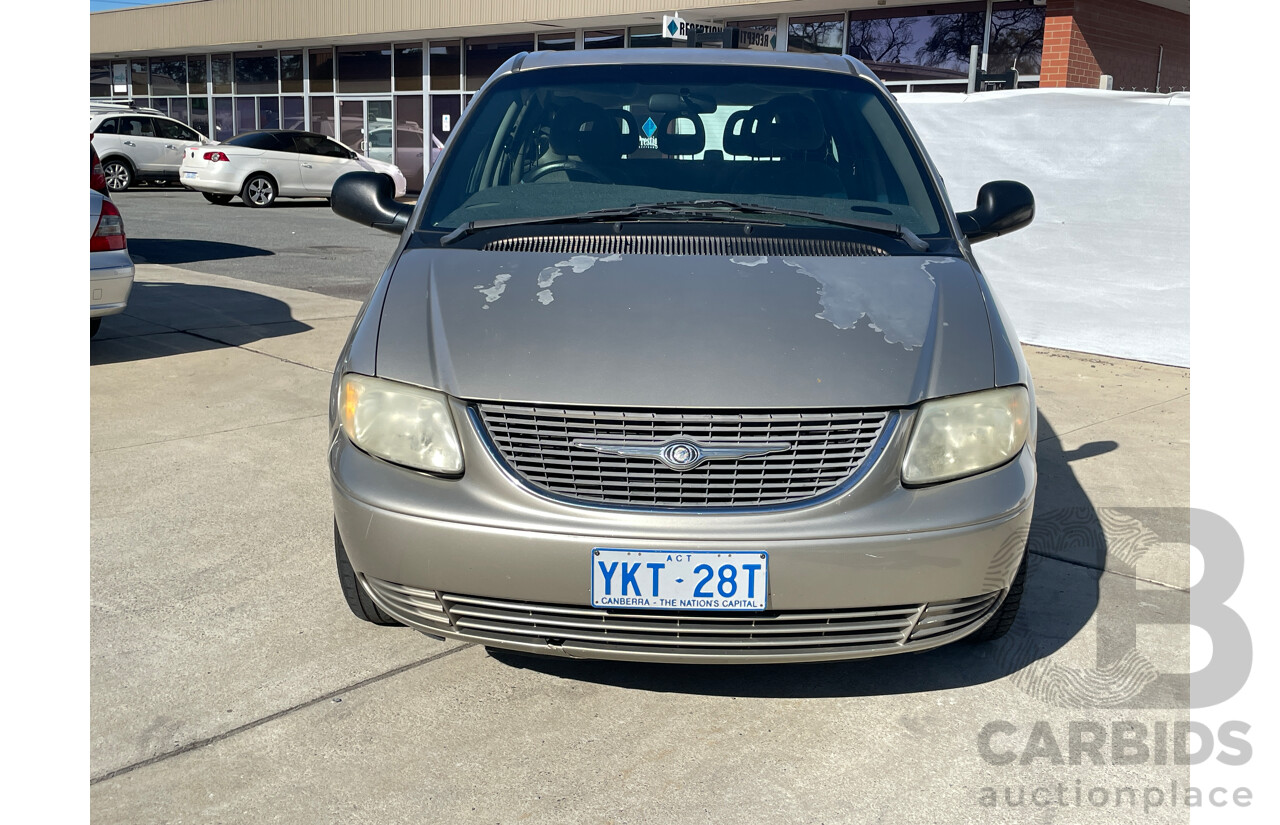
[401, 423]
[966, 434]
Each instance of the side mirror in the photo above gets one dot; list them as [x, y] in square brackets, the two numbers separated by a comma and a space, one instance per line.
[369, 199]
[1003, 206]
[352, 154]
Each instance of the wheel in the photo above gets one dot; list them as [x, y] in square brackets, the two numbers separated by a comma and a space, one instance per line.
[220, 200]
[94, 323]
[357, 599]
[119, 174]
[1002, 619]
[259, 191]
[568, 166]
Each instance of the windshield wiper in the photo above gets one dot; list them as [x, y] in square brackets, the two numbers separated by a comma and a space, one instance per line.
[640, 210]
[896, 230]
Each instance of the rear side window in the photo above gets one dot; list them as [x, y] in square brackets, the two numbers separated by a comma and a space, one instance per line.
[135, 126]
[318, 145]
[261, 140]
[109, 126]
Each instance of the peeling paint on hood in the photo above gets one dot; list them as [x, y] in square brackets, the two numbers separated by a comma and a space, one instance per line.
[899, 310]
[686, 330]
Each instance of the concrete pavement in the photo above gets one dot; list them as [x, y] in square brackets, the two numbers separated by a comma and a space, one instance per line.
[230, 683]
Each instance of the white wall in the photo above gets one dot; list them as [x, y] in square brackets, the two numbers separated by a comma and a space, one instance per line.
[1105, 267]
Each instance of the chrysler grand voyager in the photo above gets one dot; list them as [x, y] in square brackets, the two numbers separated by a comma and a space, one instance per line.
[684, 356]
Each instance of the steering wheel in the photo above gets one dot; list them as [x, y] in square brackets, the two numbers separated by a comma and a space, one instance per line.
[568, 166]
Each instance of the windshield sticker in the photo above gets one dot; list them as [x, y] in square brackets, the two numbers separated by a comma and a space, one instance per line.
[649, 128]
[493, 293]
[901, 313]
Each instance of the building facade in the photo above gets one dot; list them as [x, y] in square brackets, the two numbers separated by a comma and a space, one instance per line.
[392, 77]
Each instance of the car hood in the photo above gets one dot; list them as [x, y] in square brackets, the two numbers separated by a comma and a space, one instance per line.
[686, 331]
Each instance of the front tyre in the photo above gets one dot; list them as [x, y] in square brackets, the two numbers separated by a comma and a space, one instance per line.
[357, 599]
[220, 200]
[94, 324]
[259, 191]
[1000, 621]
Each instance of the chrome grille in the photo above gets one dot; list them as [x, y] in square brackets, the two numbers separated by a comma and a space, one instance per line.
[777, 635]
[538, 443]
[684, 245]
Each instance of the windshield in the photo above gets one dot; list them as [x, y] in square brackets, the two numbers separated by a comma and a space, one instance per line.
[560, 141]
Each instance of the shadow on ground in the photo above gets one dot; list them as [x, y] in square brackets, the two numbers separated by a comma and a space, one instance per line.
[172, 318]
[180, 251]
[1055, 607]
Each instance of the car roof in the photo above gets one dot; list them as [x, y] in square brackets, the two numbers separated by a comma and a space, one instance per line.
[283, 132]
[842, 64]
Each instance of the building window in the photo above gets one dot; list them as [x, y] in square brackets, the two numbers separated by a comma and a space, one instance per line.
[761, 34]
[269, 113]
[169, 75]
[486, 54]
[246, 115]
[321, 69]
[178, 109]
[821, 34]
[1017, 39]
[408, 67]
[640, 37]
[223, 119]
[925, 43]
[606, 39]
[557, 42]
[99, 79]
[138, 73]
[293, 113]
[197, 74]
[200, 114]
[291, 72]
[322, 116]
[220, 73]
[445, 69]
[257, 73]
[364, 69]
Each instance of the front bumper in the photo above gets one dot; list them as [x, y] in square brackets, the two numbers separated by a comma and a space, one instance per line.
[878, 569]
[109, 289]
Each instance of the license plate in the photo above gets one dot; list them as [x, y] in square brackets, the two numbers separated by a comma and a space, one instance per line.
[188, 174]
[679, 580]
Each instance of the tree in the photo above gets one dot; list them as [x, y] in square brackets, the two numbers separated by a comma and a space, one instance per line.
[880, 41]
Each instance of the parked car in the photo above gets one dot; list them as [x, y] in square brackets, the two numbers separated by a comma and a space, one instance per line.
[97, 180]
[263, 166]
[735, 392]
[110, 267]
[137, 146]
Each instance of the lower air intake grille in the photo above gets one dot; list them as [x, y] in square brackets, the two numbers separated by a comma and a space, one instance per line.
[777, 635]
[683, 245]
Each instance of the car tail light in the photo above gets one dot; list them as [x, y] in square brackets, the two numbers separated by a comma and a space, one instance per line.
[97, 180]
[109, 233]
[216, 156]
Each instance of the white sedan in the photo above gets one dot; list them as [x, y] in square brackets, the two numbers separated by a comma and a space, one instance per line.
[263, 166]
[110, 268]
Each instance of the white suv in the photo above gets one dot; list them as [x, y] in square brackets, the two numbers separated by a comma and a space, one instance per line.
[137, 144]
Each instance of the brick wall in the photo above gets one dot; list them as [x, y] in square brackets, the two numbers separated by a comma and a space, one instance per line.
[1084, 39]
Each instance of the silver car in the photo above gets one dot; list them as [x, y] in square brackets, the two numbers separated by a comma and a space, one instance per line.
[110, 267]
[684, 356]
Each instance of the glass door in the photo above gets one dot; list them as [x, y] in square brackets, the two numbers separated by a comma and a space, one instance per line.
[366, 125]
